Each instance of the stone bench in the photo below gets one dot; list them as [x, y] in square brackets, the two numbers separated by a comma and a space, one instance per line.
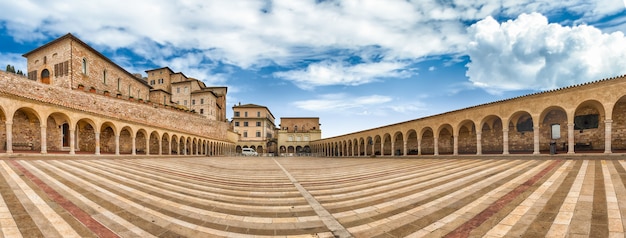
[22, 145]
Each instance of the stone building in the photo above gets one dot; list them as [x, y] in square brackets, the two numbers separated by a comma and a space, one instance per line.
[578, 119]
[77, 100]
[256, 127]
[296, 133]
[188, 92]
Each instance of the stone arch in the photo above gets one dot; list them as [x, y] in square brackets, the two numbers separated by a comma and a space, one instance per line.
[107, 138]
[411, 142]
[397, 144]
[589, 125]
[466, 137]
[553, 115]
[141, 142]
[126, 140]
[26, 130]
[427, 141]
[58, 132]
[445, 139]
[175, 143]
[378, 142]
[618, 126]
[165, 144]
[86, 135]
[291, 149]
[491, 135]
[154, 143]
[188, 148]
[3, 129]
[362, 147]
[521, 132]
[369, 146]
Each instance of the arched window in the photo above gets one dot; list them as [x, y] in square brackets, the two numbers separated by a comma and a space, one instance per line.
[45, 76]
[104, 76]
[84, 66]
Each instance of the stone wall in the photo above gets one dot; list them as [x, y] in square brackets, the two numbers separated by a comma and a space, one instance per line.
[168, 118]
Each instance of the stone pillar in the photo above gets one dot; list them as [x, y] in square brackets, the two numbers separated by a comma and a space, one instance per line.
[161, 147]
[117, 144]
[505, 141]
[479, 143]
[393, 148]
[97, 143]
[436, 145]
[404, 148]
[607, 136]
[382, 148]
[44, 139]
[455, 146]
[184, 148]
[536, 140]
[570, 138]
[9, 129]
[169, 147]
[134, 143]
[419, 146]
[147, 145]
[72, 141]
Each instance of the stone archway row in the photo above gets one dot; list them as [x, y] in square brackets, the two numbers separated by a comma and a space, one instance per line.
[538, 125]
[33, 127]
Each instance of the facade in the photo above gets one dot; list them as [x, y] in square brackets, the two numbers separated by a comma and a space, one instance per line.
[256, 127]
[75, 100]
[578, 119]
[296, 133]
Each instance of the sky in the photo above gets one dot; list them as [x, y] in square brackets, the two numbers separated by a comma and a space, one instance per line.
[356, 65]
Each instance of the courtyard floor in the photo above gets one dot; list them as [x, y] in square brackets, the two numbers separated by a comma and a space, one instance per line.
[463, 196]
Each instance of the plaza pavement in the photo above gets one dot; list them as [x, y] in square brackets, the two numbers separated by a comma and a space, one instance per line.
[464, 196]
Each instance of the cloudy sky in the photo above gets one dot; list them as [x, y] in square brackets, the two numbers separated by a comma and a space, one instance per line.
[354, 64]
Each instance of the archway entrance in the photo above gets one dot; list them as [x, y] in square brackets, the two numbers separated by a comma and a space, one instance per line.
[45, 76]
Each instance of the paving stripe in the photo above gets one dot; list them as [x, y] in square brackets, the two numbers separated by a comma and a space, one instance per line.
[80, 215]
[563, 218]
[600, 221]
[57, 223]
[80, 198]
[505, 225]
[465, 229]
[7, 223]
[614, 217]
[18, 212]
[333, 225]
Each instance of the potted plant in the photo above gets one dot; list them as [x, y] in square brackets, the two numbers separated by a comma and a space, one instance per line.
[107, 93]
[81, 86]
[92, 90]
[131, 98]
[119, 95]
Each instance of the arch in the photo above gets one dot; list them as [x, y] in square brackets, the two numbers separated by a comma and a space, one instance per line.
[141, 142]
[154, 143]
[411, 142]
[445, 139]
[85, 135]
[45, 76]
[467, 142]
[165, 144]
[58, 132]
[427, 141]
[589, 126]
[618, 125]
[553, 115]
[107, 138]
[175, 145]
[126, 140]
[492, 135]
[26, 130]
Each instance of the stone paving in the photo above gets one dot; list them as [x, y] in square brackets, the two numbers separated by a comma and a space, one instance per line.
[488, 196]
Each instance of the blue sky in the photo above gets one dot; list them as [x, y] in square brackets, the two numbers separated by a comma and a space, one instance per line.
[354, 64]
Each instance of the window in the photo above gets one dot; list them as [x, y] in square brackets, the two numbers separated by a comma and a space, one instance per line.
[201, 111]
[245, 114]
[161, 81]
[258, 134]
[193, 102]
[151, 82]
[177, 90]
[119, 83]
[236, 123]
[201, 100]
[237, 114]
[84, 66]
[186, 89]
[258, 114]
[245, 123]
[258, 123]
[245, 134]
[185, 103]
[104, 77]
[164, 100]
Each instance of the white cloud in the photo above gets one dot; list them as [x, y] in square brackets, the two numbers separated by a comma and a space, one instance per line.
[341, 102]
[15, 60]
[530, 53]
[337, 73]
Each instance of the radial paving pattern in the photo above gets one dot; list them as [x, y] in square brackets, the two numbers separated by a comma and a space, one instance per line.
[235, 197]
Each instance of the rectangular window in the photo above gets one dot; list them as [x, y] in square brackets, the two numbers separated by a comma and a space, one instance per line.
[236, 123]
[258, 123]
[237, 114]
[245, 114]
[201, 111]
[193, 102]
[185, 102]
[119, 84]
[201, 100]
[258, 134]
[245, 123]
[245, 134]
[177, 90]
[258, 114]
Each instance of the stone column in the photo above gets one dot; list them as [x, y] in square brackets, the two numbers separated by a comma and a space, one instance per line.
[419, 146]
[72, 141]
[185, 148]
[169, 147]
[382, 148]
[44, 141]
[97, 143]
[9, 129]
[536, 140]
[161, 147]
[455, 146]
[134, 143]
[436, 145]
[607, 136]
[479, 143]
[117, 144]
[393, 148]
[570, 138]
[147, 145]
[404, 148]
[505, 141]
